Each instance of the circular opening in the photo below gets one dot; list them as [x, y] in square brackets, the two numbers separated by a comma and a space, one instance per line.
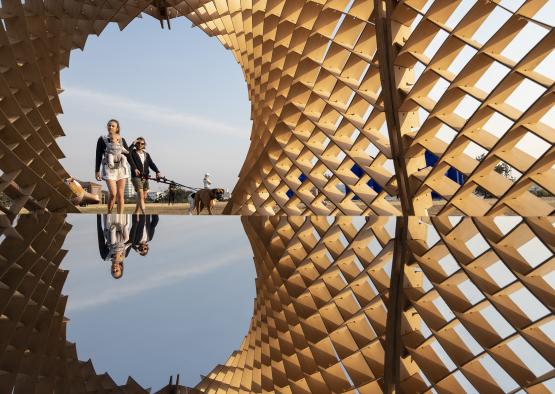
[178, 89]
[182, 308]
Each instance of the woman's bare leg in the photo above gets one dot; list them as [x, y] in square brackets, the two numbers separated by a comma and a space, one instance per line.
[137, 202]
[120, 194]
[112, 191]
[143, 202]
[140, 202]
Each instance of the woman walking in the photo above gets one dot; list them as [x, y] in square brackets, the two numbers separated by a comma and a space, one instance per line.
[113, 153]
[141, 162]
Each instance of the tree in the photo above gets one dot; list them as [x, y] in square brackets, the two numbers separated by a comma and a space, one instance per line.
[5, 201]
[181, 195]
[501, 168]
[539, 191]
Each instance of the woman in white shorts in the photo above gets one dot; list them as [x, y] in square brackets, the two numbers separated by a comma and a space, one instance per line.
[116, 177]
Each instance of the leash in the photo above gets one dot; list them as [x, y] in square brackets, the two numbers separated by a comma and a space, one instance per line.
[167, 181]
[170, 182]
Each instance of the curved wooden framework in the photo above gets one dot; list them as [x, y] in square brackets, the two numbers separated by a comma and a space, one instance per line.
[406, 108]
[476, 312]
[339, 127]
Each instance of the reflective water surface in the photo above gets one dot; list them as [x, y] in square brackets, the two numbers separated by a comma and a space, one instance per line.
[183, 301]
[154, 296]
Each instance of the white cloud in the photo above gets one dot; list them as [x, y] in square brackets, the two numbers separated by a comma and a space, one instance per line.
[182, 150]
[151, 112]
[167, 277]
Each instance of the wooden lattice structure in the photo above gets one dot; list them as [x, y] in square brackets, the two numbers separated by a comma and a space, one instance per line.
[359, 107]
[35, 356]
[471, 308]
[475, 314]
[405, 109]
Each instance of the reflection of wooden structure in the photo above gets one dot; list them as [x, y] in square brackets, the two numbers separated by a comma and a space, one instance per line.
[34, 355]
[346, 100]
[473, 313]
[335, 311]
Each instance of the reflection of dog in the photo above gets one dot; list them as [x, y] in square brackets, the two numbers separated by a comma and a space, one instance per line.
[205, 198]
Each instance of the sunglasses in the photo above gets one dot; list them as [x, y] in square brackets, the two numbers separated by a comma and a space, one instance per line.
[141, 143]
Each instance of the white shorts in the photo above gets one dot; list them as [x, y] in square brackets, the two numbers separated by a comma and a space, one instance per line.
[115, 174]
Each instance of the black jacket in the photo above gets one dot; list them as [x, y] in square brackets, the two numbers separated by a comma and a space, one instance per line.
[138, 227]
[101, 147]
[136, 163]
[135, 235]
[102, 247]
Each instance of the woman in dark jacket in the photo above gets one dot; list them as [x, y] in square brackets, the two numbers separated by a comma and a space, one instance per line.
[115, 176]
[141, 162]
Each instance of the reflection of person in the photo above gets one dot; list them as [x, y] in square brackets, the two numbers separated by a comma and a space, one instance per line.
[142, 232]
[113, 240]
[141, 162]
[116, 175]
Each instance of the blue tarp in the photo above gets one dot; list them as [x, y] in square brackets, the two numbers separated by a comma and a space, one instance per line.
[431, 160]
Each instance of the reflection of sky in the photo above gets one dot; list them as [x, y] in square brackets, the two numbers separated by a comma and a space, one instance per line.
[181, 309]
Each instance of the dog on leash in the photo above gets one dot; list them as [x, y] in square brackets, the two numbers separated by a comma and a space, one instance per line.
[204, 198]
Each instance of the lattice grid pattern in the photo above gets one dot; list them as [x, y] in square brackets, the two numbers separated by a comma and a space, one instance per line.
[465, 80]
[477, 314]
[359, 107]
[35, 356]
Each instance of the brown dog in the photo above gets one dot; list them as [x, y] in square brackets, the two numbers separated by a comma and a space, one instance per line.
[205, 198]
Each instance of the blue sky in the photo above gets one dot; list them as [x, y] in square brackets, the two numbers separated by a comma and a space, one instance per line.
[180, 89]
[183, 308]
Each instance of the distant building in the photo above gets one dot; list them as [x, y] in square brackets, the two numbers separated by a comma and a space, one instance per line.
[129, 191]
[105, 197]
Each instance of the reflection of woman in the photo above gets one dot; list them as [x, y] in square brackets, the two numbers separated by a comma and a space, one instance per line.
[142, 232]
[113, 240]
[115, 175]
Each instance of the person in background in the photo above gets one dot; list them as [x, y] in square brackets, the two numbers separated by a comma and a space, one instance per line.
[172, 190]
[141, 162]
[206, 181]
